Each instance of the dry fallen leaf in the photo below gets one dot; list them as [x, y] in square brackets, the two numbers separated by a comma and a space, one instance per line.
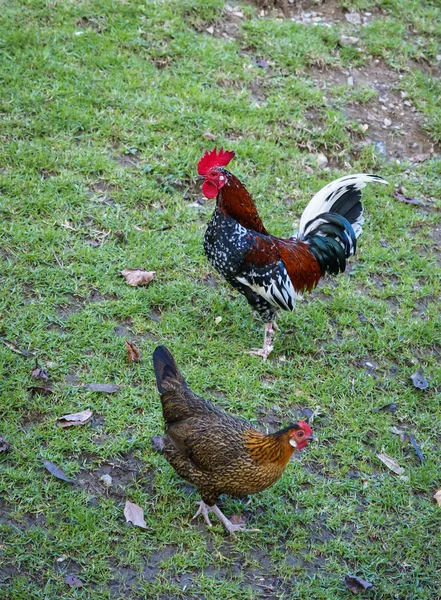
[391, 463]
[406, 199]
[133, 354]
[73, 581]
[392, 408]
[56, 471]
[209, 136]
[39, 389]
[134, 514]
[419, 381]
[437, 497]
[357, 584]
[138, 276]
[39, 373]
[4, 445]
[79, 418]
[108, 388]
[15, 348]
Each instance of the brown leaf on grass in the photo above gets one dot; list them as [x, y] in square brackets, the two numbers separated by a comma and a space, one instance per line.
[134, 514]
[57, 471]
[39, 373]
[392, 407]
[357, 584]
[133, 354]
[419, 381]
[423, 156]
[15, 348]
[4, 445]
[209, 136]
[406, 199]
[73, 581]
[391, 463]
[437, 497]
[238, 519]
[41, 390]
[138, 276]
[79, 418]
[416, 447]
[107, 388]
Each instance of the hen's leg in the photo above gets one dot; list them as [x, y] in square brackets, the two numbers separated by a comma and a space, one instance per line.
[229, 526]
[203, 510]
[267, 341]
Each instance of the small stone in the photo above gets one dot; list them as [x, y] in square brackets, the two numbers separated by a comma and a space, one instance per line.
[322, 160]
[404, 94]
[210, 30]
[107, 480]
[364, 127]
[380, 147]
[407, 103]
[353, 18]
[438, 57]
[348, 40]
[387, 122]
[217, 320]
[350, 81]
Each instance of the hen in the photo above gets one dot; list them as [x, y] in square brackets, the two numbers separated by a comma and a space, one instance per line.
[216, 452]
[273, 272]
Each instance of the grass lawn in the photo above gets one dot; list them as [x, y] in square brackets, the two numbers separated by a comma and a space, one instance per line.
[104, 106]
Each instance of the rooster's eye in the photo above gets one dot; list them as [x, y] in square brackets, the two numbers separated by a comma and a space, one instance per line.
[300, 434]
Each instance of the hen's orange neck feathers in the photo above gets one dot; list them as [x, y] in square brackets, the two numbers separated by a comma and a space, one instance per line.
[235, 201]
[269, 448]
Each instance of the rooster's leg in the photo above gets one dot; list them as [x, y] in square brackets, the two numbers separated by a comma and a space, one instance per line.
[203, 510]
[267, 342]
[229, 526]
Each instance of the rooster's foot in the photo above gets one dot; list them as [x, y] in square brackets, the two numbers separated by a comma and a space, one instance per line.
[203, 510]
[263, 352]
[267, 342]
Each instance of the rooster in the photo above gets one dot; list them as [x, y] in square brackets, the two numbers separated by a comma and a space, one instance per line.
[216, 452]
[271, 272]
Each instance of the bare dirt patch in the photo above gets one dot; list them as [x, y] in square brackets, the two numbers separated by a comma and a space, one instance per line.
[393, 123]
[123, 472]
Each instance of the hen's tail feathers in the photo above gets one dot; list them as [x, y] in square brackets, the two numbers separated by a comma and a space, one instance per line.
[332, 221]
[168, 376]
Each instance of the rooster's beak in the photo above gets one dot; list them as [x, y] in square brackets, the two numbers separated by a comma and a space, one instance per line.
[201, 177]
[312, 438]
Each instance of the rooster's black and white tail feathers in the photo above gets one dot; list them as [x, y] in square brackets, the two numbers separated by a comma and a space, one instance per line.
[332, 221]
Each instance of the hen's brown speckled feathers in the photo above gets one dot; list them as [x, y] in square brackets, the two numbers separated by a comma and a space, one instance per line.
[217, 452]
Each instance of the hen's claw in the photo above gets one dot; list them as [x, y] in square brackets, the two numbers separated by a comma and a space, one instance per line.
[229, 526]
[203, 510]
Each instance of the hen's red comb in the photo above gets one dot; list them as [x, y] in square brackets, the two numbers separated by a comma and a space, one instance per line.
[214, 159]
[306, 428]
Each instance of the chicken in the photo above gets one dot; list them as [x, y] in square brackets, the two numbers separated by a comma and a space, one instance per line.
[271, 272]
[216, 452]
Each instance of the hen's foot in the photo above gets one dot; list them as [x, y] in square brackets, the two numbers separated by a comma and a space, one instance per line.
[229, 526]
[203, 510]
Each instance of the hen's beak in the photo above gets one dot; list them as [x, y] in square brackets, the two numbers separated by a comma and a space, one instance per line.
[312, 438]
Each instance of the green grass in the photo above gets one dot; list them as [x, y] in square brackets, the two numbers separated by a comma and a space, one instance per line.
[100, 136]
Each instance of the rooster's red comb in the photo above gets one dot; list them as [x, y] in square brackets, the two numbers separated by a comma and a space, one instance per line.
[214, 159]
